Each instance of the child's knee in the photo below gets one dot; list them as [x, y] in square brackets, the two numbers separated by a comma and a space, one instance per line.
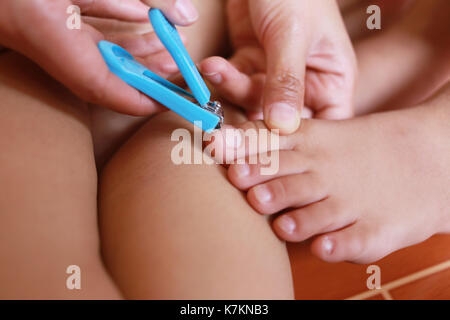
[153, 208]
[151, 158]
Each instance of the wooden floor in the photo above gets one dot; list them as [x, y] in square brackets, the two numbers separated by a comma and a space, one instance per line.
[418, 272]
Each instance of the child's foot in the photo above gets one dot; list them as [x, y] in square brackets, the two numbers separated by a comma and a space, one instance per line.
[365, 187]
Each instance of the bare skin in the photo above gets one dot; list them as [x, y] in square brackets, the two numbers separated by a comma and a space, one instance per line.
[48, 207]
[361, 196]
[400, 66]
[355, 15]
[111, 129]
[183, 232]
[286, 57]
[404, 64]
[210, 214]
[49, 217]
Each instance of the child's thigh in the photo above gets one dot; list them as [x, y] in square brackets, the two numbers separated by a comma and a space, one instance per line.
[183, 232]
[48, 183]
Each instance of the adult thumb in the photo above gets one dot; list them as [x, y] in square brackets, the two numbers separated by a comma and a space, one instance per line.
[284, 90]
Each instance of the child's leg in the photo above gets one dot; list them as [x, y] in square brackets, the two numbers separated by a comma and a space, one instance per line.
[355, 15]
[183, 232]
[48, 217]
[406, 64]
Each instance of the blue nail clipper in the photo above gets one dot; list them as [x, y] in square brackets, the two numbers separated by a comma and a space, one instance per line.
[206, 114]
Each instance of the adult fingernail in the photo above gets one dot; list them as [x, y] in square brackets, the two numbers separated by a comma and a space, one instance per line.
[328, 245]
[137, 8]
[286, 223]
[214, 78]
[262, 193]
[284, 117]
[242, 170]
[186, 10]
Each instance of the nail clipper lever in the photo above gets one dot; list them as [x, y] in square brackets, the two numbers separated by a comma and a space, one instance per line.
[206, 114]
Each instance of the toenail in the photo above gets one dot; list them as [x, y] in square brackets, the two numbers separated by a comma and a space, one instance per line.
[262, 193]
[327, 245]
[242, 170]
[286, 223]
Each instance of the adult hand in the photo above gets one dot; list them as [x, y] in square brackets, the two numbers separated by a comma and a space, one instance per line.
[37, 29]
[291, 53]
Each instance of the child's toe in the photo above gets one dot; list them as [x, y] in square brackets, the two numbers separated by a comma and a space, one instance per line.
[359, 243]
[248, 139]
[286, 192]
[274, 165]
[317, 218]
